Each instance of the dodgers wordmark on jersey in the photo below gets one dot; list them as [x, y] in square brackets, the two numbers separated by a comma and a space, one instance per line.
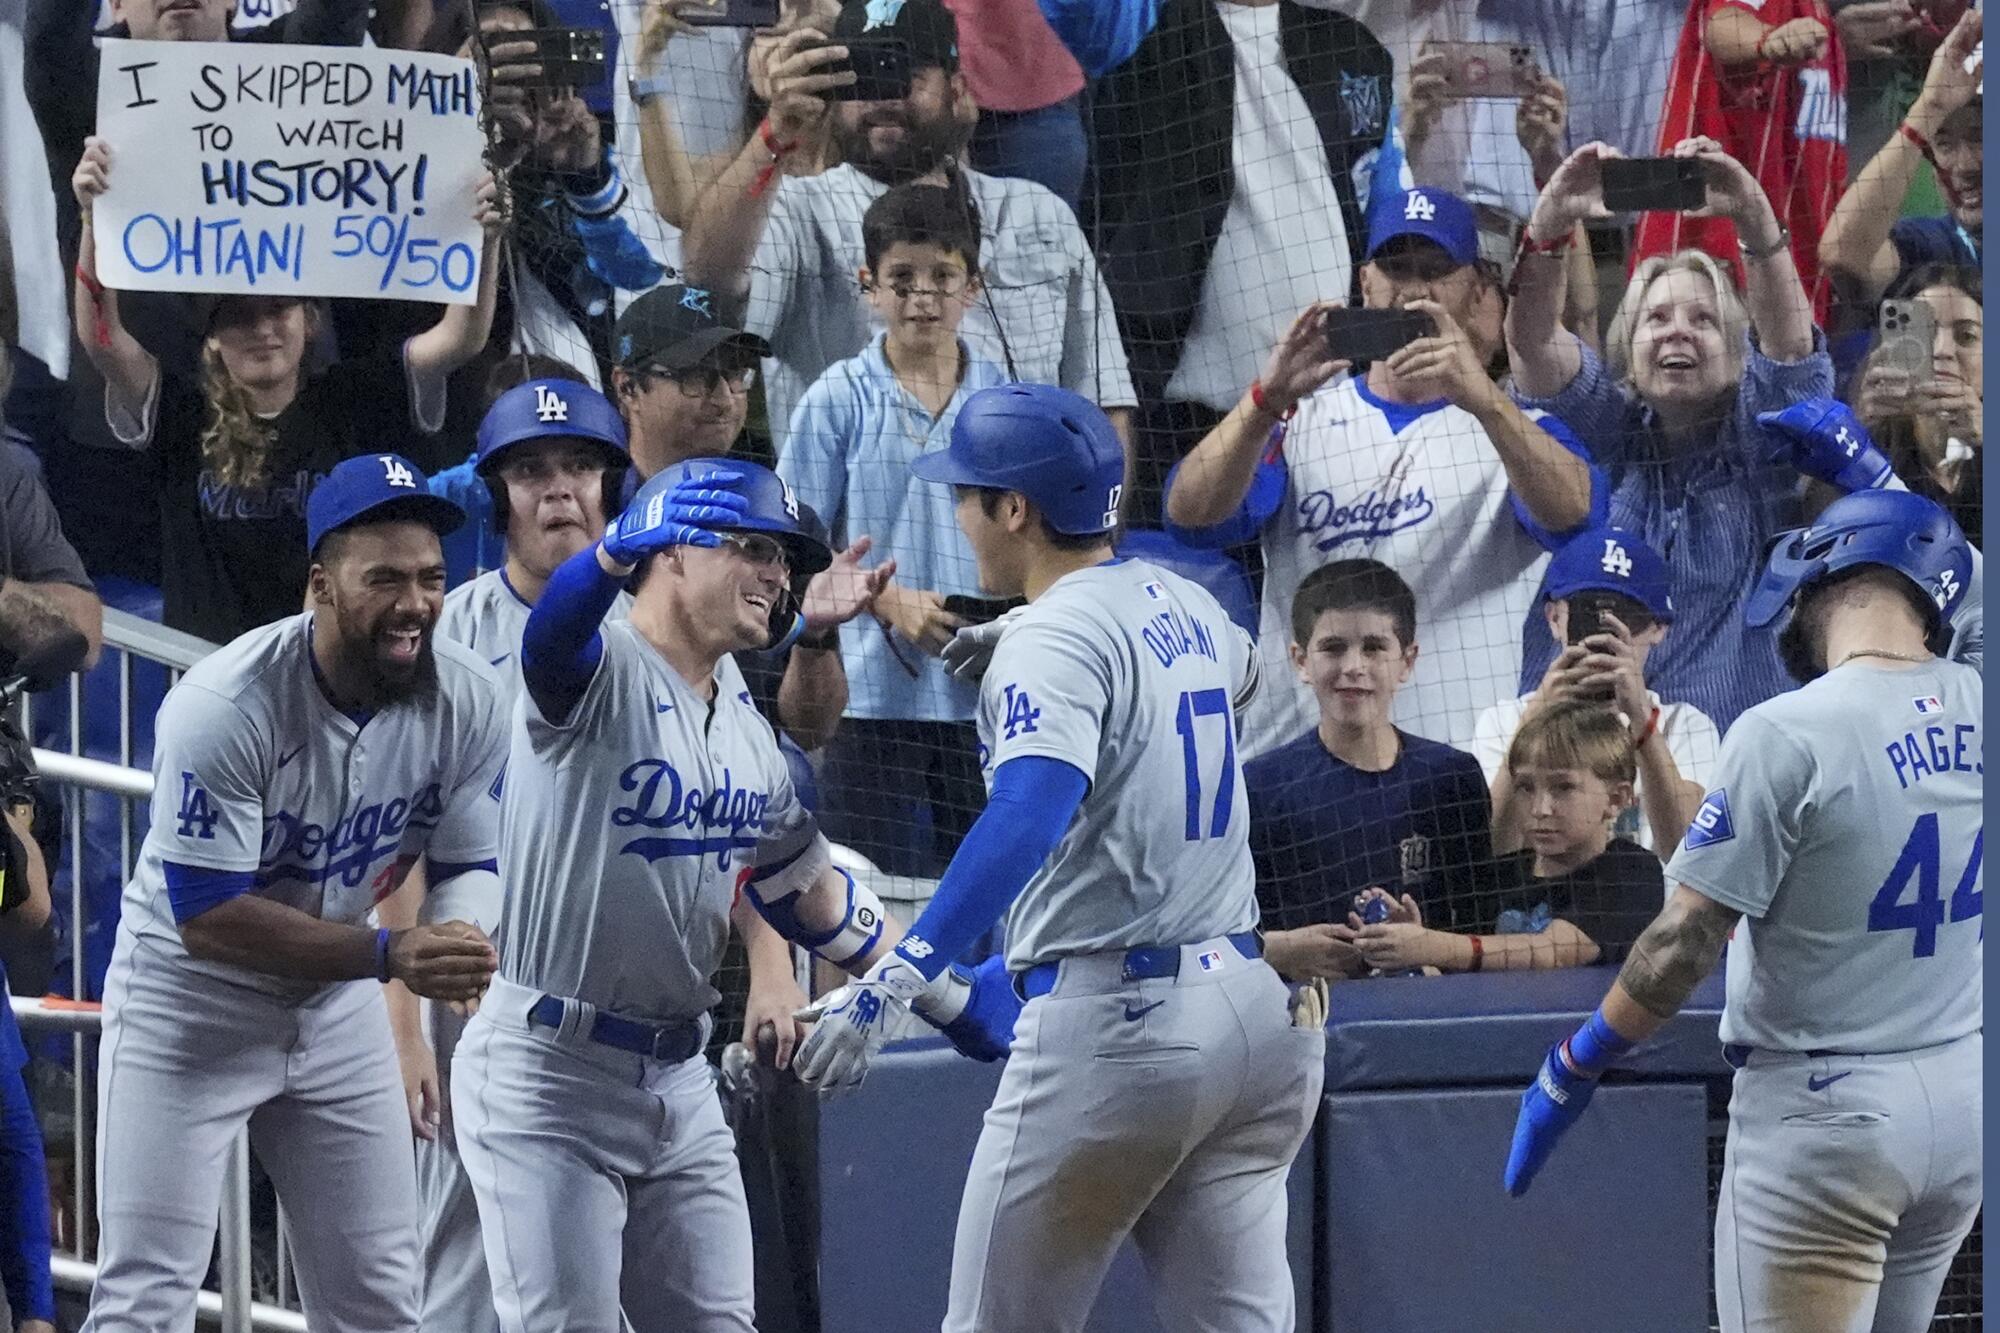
[1845, 823]
[1131, 674]
[254, 770]
[625, 829]
[1421, 489]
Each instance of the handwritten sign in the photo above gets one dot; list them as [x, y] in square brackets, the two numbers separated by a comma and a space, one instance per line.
[289, 170]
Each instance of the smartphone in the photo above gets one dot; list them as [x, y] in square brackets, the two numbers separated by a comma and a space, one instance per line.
[569, 57]
[881, 68]
[731, 14]
[1496, 70]
[1908, 332]
[1586, 613]
[979, 610]
[1653, 184]
[1370, 335]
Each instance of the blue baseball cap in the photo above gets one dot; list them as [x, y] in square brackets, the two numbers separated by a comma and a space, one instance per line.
[380, 488]
[1438, 216]
[1612, 560]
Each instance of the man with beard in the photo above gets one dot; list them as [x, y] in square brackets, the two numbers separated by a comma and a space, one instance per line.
[300, 772]
[1045, 315]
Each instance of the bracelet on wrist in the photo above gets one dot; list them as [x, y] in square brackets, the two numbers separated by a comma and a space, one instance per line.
[1650, 730]
[382, 953]
[1262, 403]
[1765, 252]
[1478, 954]
[1917, 137]
[779, 149]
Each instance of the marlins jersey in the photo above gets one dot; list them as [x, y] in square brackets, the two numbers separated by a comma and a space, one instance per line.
[1422, 490]
[487, 616]
[1130, 674]
[255, 771]
[1845, 824]
[626, 828]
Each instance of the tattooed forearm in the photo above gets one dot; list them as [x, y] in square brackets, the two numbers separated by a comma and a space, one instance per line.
[1676, 952]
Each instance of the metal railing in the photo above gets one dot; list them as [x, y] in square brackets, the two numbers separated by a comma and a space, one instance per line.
[130, 645]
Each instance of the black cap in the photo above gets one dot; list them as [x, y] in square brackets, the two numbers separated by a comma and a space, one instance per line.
[674, 327]
[925, 26]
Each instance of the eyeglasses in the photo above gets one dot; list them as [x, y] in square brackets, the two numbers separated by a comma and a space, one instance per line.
[759, 549]
[948, 283]
[700, 381]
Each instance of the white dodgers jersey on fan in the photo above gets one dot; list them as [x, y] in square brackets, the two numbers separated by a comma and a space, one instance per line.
[1845, 823]
[255, 771]
[488, 616]
[1129, 674]
[626, 827]
[1422, 490]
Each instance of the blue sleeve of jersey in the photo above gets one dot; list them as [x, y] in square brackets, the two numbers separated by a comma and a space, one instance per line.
[24, 1222]
[437, 872]
[1034, 799]
[1266, 493]
[1600, 490]
[562, 644]
[1101, 34]
[192, 890]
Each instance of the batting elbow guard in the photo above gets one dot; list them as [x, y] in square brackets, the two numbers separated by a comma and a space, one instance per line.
[974, 1008]
[856, 934]
[1824, 439]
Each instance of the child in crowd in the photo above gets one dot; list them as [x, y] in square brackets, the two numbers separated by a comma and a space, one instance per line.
[1357, 803]
[901, 777]
[1573, 895]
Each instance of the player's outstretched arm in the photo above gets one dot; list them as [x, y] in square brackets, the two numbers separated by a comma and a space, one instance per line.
[451, 961]
[1680, 948]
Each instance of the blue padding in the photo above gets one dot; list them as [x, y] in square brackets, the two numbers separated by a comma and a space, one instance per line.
[1143, 963]
[437, 872]
[192, 890]
[1392, 1032]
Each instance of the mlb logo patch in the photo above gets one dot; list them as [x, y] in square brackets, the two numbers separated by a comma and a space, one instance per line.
[1927, 705]
[1156, 591]
[1211, 961]
[1711, 822]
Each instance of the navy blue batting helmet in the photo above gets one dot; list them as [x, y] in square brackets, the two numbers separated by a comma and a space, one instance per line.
[773, 507]
[549, 409]
[1053, 446]
[1893, 529]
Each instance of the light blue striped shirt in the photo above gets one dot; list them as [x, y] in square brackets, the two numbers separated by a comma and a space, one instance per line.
[853, 435]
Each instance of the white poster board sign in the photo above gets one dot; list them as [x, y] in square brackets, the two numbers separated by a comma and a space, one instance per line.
[289, 170]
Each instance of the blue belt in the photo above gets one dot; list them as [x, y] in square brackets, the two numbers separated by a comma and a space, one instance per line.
[1147, 962]
[676, 1042]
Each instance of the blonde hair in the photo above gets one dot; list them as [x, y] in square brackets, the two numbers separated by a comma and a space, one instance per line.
[1728, 301]
[236, 445]
[1576, 734]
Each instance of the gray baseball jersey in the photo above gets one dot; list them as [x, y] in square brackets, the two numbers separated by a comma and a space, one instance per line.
[1130, 674]
[487, 615]
[1845, 823]
[625, 830]
[255, 771]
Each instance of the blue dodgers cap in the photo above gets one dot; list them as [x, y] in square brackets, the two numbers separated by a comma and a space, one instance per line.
[379, 488]
[1438, 216]
[1612, 560]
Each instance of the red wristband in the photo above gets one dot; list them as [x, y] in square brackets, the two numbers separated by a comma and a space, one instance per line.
[778, 148]
[1557, 245]
[100, 326]
[1652, 728]
[1263, 404]
[1478, 954]
[1916, 136]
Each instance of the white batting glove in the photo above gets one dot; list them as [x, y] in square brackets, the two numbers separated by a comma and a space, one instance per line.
[966, 656]
[853, 1022]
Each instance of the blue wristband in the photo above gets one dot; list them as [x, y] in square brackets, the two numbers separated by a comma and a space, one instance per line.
[382, 954]
[1596, 1044]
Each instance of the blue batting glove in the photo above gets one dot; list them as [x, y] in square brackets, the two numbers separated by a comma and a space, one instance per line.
[984, 1027]
[1822, 438]
[1552, 1103]
[687, 513]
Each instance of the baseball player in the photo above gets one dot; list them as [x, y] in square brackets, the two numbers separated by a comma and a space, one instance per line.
[298, 774]
[1157, 1086]
[1844, 833]
[641, 795]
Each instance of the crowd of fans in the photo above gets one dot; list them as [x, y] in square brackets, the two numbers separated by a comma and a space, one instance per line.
[1496, 573]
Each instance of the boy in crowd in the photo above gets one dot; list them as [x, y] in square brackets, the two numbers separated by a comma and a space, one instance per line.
[1357, 803]
[907, 741]
[1619, 582]
[1573, 895]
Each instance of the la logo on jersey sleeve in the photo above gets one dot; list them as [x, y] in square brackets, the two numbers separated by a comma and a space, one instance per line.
[1711, 822]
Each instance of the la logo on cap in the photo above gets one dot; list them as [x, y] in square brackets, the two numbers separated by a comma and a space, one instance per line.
[1616, 560]
[1419, 208]
[549, 405]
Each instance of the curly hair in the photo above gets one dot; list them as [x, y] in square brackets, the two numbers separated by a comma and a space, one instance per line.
[1625, 320]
